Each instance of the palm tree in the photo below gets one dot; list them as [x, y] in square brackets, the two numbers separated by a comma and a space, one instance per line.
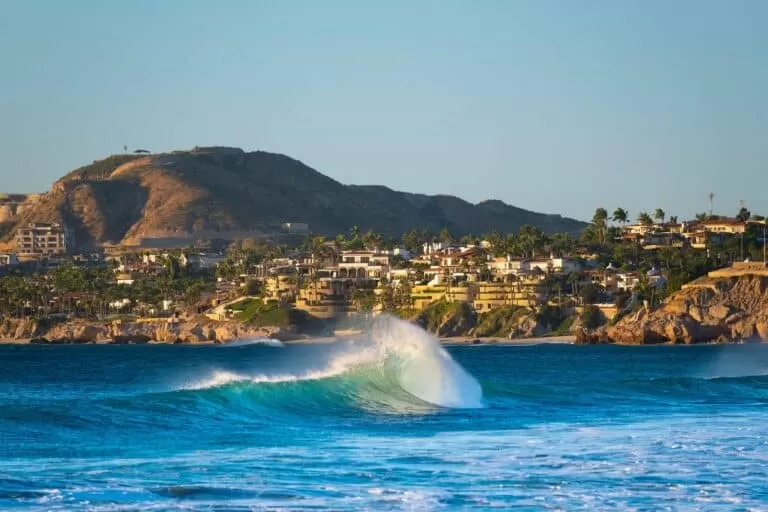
[530, 239]
[498, 243]
[743, 214]
[644, 219]
[659, 215]
[620, 215]
[372, 240]
[599, 220]
[573, 280]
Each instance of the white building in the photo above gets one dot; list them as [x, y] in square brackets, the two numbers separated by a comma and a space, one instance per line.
[8, 260]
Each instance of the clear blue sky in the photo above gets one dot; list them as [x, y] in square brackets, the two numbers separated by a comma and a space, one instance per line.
[553, 106]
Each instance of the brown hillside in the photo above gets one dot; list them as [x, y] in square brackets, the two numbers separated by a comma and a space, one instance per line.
[125, 197]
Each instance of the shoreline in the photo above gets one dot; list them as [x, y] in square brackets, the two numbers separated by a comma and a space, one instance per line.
[457, 340]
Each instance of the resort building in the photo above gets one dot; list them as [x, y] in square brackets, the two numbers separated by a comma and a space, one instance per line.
[40, 240]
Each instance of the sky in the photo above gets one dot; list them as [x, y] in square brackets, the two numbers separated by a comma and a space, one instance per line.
[553, 106]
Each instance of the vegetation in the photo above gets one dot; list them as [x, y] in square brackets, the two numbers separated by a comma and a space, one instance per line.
[94, 292]
[99, 169]
[592, 317]
[434, 314]
[499, 322]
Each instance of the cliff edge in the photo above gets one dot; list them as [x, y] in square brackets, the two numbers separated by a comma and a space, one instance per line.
[727, 305]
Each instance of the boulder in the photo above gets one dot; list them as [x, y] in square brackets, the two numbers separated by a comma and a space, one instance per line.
[90, 333]
[743, 330]
[696, 313]
[586, 336]
[718, 313]
[192, 334]
[762, 329]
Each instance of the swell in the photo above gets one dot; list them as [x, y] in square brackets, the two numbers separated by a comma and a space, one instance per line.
[397, 369]
[657, 391]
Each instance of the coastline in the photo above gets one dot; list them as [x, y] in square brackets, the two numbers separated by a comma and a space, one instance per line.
[543, 340]
[306, 340]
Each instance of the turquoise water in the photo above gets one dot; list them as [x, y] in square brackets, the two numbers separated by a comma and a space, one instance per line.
[389, 422]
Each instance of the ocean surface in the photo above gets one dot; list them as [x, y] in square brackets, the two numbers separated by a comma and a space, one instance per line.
[390, 421]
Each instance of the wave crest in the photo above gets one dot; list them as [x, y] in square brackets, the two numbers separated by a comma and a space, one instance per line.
[397, 364]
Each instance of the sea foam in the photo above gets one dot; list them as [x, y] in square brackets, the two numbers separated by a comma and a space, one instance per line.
[394, 353]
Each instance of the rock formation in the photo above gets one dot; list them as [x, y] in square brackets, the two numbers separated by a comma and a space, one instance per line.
[186, 331]
[709, 309]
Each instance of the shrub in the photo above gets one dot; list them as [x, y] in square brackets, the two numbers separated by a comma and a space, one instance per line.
[592, 317]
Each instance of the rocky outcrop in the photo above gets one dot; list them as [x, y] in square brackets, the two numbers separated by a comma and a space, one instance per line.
[186, 331]
[456, 322]
[722, 309]
[19, 329]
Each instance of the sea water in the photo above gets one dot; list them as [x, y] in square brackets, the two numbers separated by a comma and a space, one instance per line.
[391, 420]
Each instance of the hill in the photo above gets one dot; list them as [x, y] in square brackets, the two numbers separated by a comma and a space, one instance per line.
[211, 191]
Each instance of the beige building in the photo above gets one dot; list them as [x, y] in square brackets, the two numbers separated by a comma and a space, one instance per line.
[43, 240]
[730, 226]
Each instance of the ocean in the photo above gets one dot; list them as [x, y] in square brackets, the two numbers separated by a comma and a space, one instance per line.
[389, 421]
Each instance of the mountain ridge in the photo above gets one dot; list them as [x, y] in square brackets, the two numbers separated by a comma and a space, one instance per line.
[124, 198]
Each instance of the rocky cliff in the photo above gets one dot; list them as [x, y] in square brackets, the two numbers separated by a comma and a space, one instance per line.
[709, 309]
[456, 319]
[185, 331]
[209, 191]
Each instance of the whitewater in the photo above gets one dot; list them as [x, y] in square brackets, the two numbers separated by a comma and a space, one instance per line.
[389, 420]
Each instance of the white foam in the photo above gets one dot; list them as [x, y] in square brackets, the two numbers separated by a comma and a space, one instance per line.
[419, 363]
[426, 369]
[221, 378]
[255, 341]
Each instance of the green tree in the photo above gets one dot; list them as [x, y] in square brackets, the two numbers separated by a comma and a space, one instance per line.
[412, 240]
[620, 215]
[599, 221]
[531, 240]
[659, 215]
[743, 214]
[498, 243]
[644, 219]
[372, 240]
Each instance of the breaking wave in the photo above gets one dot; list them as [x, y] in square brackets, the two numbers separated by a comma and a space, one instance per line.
[396, 366]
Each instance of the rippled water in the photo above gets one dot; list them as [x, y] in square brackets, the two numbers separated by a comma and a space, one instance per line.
[393, 422]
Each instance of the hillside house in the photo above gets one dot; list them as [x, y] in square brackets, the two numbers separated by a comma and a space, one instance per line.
[201, 261]
[504, 266]
[729, 226]
[654, 241]
[363, 264]
[8, 260]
